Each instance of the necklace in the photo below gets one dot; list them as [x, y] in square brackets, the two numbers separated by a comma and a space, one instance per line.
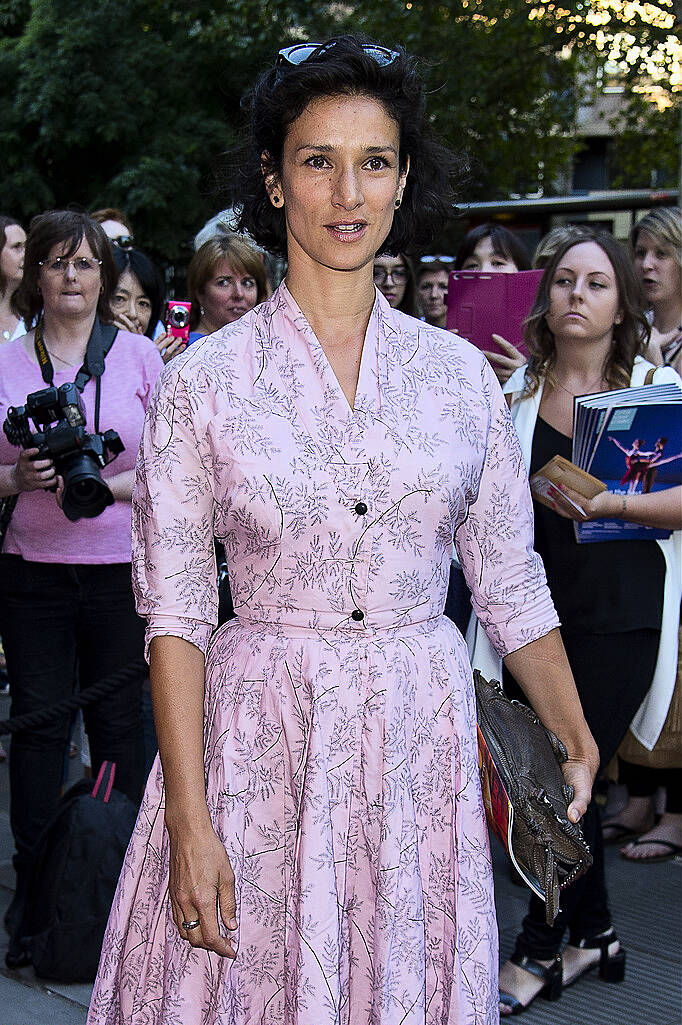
[574, 393]
[61, 359]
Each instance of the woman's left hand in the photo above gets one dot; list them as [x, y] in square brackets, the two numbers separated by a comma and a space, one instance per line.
[59, 493]
[580, 773]
[602, 506]
[505, 363]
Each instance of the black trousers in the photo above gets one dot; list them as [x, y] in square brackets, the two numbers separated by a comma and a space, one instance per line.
[612, 674]
[644, 781]
[65, 627]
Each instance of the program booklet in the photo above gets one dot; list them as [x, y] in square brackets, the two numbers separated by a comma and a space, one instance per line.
[628, 442]
[562, 471]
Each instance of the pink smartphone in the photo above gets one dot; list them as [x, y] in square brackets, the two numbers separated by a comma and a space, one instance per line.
[480, 304]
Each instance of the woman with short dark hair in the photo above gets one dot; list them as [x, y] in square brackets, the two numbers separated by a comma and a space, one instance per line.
[317, 799]
[138, 297]
[491, 247]
[394, 277]
[67, 616]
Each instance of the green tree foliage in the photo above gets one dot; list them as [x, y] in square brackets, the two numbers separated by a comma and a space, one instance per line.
[131, 102]
[126, 103]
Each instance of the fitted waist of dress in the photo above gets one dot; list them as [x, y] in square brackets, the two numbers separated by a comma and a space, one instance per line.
[332, 625]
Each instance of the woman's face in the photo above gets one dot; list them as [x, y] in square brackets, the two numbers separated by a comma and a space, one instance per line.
[584, 302]
[390, 277]
[12, 256]
[485, 258]
[340, 182]
[70, 285]
[657, 269]
[130, 300]
[228, 295]
[433, 295]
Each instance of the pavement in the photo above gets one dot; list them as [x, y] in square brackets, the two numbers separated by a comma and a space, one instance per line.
[646, 902]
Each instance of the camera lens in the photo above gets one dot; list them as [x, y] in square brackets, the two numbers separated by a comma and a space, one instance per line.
[178, 316]
[86, 495]
[84, 491]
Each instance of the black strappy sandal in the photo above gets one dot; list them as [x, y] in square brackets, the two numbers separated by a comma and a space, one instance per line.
[611, 966]
[550, 975]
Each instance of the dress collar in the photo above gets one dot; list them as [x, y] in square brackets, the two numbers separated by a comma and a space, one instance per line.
[382, 403]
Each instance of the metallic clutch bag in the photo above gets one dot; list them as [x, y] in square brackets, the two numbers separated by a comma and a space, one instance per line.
[526, 796]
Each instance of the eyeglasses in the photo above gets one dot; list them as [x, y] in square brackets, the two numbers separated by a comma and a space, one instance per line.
[398, 275]
[125, 242]
[81, 264]
[300, 52]
[437, 259]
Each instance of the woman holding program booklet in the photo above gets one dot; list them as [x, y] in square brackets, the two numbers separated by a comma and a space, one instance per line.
[617, 608]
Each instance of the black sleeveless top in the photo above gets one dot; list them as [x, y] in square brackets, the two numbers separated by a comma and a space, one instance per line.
[602, 587]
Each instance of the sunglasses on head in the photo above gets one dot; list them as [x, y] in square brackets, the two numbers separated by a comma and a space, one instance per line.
[437, 259]
[125, 242]
[300, 52]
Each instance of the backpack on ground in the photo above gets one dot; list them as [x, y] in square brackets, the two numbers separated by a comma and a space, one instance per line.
[78, 861]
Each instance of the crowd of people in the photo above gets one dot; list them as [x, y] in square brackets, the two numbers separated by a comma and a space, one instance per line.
[282, 438]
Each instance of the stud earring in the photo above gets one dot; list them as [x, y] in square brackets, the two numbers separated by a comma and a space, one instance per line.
[398, 202]
[277, 199]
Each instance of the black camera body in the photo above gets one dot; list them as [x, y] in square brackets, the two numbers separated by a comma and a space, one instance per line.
[58, 415]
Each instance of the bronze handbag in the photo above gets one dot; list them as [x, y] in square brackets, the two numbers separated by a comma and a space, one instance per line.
[526, 796]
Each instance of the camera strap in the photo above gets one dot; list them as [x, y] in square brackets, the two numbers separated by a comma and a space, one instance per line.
[101, 339]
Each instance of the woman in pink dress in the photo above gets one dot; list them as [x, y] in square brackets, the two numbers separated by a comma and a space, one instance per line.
[312, 847]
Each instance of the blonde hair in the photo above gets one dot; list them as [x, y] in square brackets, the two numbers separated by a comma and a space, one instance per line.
[665, 224]
[238, 253]
[554, 239]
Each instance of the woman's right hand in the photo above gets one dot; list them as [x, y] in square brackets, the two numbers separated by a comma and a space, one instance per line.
[126, 323]
[31, 474]
[201, 886]
[169, 346]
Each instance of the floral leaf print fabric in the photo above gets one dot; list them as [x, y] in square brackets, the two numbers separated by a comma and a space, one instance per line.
[340, 734]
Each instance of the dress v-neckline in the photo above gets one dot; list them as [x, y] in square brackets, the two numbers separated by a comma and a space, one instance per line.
[324, 367]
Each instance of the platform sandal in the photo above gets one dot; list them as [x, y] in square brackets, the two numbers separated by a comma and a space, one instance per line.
[551, 976]
[611, 966]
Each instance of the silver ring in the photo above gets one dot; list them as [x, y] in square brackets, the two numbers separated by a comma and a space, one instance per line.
[194, 924]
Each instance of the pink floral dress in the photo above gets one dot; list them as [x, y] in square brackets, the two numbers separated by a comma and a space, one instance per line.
[340, 730]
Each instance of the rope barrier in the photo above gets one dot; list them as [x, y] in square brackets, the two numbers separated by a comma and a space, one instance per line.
[42, 716]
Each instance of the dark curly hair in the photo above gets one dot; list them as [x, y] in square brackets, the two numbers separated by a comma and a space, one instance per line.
[341, 67]
[629, 337]
[67, 228]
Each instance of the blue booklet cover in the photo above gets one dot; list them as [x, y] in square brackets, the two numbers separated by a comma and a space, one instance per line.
[634, 448]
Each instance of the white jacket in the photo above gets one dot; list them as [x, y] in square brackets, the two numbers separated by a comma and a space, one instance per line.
[648, 721]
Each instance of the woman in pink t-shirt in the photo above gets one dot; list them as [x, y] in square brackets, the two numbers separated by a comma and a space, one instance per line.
[67, 615]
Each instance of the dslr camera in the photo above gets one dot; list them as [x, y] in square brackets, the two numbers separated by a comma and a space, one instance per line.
[58, 415]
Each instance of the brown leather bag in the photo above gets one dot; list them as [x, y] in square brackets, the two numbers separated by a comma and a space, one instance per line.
[526, 796]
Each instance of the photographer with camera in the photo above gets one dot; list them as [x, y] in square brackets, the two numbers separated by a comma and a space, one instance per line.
[73, 394]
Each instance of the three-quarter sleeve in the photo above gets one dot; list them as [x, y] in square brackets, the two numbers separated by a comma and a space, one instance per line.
[173, 559]
[494, 545]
